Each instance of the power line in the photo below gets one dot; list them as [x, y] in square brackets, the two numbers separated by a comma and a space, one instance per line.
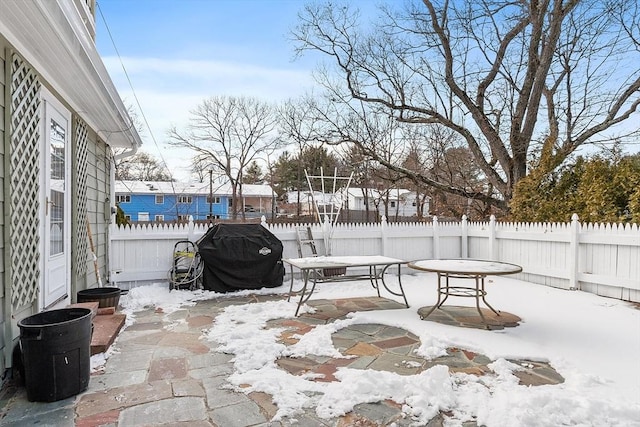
[135, 96]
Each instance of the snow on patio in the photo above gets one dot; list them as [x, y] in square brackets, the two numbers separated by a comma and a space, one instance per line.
[593, 342]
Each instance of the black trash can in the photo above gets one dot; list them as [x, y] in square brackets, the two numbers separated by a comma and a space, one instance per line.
[56, 353]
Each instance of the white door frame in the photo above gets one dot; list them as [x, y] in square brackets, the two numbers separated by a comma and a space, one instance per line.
[55, 244]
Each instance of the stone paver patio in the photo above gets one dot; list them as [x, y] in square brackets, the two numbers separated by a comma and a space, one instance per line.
[162, 372]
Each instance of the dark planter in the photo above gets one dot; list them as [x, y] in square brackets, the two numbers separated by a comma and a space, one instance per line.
[337, 271]
[106, 297]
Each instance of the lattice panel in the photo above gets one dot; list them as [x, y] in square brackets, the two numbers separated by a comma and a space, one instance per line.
[81, 165]
[24, 155]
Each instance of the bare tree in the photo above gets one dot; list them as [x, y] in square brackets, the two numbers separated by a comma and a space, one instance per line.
[297, 124]
[362, 168]
[227, 134]
[141, 167]
[517, 81]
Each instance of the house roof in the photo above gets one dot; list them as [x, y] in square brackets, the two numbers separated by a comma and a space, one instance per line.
[53, 38]
[189, 188]
[394, 193]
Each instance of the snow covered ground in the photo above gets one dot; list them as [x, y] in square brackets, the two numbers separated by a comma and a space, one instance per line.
[593, 342]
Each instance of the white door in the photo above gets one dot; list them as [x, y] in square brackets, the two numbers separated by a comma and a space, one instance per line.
[56, 237]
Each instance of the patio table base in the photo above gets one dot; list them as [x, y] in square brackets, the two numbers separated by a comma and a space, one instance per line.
[469, 317]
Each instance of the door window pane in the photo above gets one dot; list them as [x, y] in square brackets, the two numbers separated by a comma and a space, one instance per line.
[57, 139]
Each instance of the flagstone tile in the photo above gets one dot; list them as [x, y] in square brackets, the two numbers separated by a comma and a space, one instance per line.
[363, 349]
[537, 373]
[289, 337]
[213, 371]
[370, 329]
[402, 365]
[265, 402]
[408, 350]
[349, 333]
[549, 373]
[168, 369]
[394, 342]
[384, 413]
[393, 332]
[117, 379]
[361, 362]
[104, 418]
[167, 352]
[187, 387]
[167, 411]
[152, 338]
[327, 371]
[471, 370]
[103, 401]
[145, 326]
[296, 366]
[245, 413]
[190, 342]
[366, 304]
[199, 322]
[529, 378]
[126, 361]
[351, 419]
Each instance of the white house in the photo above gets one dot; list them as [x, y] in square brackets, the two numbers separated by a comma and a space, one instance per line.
[401, 202]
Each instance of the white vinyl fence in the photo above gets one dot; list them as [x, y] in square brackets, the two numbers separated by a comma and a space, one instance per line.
[599, 258]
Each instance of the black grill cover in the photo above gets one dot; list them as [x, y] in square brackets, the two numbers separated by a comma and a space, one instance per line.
[240, 256]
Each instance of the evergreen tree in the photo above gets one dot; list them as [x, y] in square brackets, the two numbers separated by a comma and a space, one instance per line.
[600, 189]
[253, 174]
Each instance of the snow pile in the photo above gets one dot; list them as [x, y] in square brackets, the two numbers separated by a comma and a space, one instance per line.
[493, 400]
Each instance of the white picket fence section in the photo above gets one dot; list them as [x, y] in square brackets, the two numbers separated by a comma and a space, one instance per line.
[599, 258]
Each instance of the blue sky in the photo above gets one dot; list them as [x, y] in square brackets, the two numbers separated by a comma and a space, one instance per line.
[243, 31]
[179, 52]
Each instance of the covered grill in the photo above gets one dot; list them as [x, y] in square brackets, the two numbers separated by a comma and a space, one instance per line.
[240, 256]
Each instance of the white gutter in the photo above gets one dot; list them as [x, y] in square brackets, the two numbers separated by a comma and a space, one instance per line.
[126, 154]
[52, 37]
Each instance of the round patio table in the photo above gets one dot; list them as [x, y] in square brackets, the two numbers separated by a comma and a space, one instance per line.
[472, 269]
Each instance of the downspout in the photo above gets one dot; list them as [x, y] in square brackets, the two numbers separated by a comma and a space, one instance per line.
[124, 154]
[112, 169]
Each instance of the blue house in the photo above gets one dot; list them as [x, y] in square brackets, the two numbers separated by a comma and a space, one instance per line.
[159, 201]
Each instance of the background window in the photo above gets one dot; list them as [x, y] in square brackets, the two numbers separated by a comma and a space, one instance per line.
[123, 198]
[184, 199]
[159, 199]
[159, 218]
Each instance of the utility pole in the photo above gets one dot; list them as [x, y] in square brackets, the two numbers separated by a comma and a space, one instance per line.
[210, 196]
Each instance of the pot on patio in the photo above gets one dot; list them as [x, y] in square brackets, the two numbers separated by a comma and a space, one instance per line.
[106, 297]
[338, 271]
